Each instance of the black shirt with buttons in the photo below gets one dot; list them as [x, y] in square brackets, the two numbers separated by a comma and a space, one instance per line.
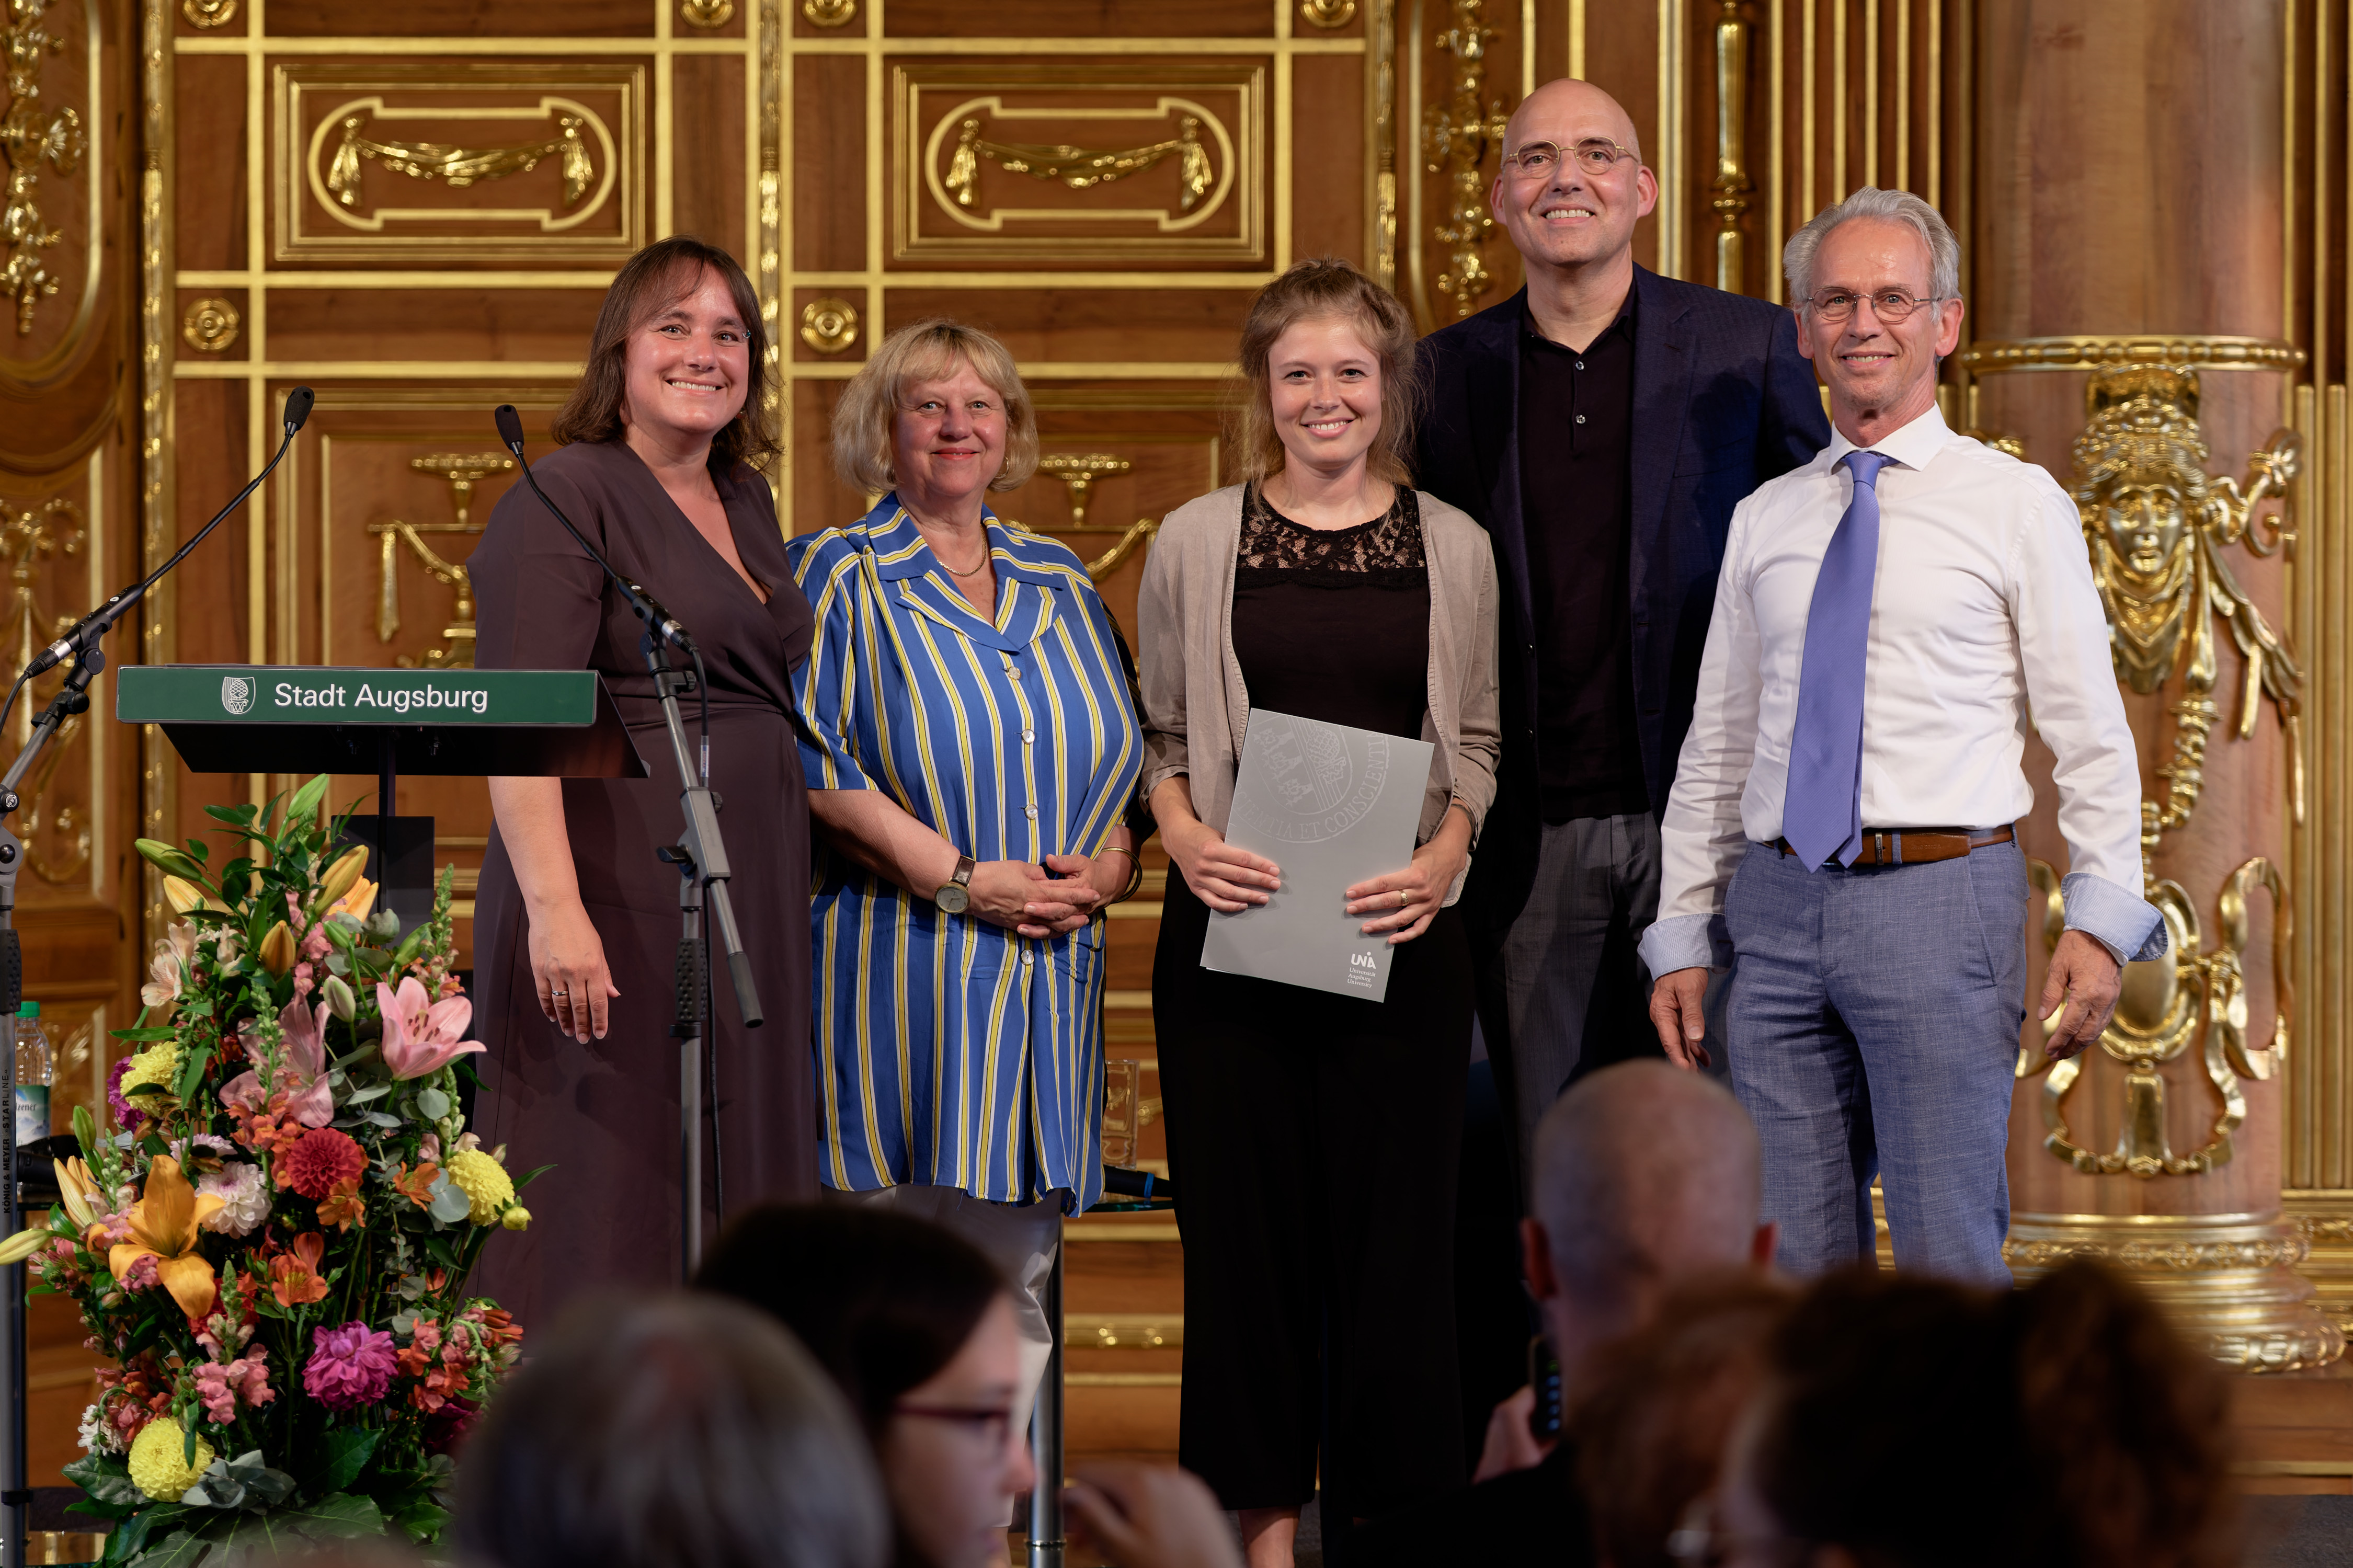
[1577, 502]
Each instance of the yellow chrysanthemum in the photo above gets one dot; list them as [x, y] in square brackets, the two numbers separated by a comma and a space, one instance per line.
[158, 1463]
[158, 1065]
[484, 1182]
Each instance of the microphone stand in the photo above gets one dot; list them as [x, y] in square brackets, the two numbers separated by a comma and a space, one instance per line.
[701, 856]
[83, 645]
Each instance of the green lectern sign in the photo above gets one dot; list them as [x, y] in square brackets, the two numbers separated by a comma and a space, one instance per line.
[290, 694]
[255, 718]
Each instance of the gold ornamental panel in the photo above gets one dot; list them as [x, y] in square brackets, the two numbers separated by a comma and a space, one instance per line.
[52, 183]
[456, 164]
[1079, 160]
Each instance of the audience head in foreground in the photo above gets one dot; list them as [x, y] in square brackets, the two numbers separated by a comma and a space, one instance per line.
[671, 1432]
[917, 1329]
[1906, 1423]
[1651, 1427]
[1645, 1177]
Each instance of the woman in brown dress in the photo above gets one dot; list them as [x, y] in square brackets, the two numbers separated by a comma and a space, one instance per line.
[576, 921]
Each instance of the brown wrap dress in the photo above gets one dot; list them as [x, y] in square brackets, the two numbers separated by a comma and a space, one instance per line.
[604, 1114]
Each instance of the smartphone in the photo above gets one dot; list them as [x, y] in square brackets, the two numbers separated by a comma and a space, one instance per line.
[1543, 1376]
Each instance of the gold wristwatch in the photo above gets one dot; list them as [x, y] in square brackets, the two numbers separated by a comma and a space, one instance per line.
[955, 895]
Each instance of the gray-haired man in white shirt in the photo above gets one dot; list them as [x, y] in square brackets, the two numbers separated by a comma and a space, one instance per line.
[1840, 831]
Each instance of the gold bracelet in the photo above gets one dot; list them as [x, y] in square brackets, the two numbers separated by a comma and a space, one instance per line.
[1116, 849]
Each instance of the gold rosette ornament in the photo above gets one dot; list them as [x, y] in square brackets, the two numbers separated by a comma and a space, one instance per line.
[167, 1225]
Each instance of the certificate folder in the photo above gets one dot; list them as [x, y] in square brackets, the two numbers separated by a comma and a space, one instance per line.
[1333, 806]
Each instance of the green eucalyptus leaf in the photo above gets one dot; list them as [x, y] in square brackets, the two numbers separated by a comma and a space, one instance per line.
[382, 1119]
[449, 1203]
[432, 1104]
[373, 1092]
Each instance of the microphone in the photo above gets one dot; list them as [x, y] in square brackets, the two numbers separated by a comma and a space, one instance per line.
[85, 635]
[664, 625]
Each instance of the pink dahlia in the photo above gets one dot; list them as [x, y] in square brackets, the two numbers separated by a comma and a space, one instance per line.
[126, 1115]
[351, 1366]
[321, 1159]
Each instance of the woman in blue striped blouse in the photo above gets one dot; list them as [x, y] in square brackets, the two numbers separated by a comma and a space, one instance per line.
[971, 755]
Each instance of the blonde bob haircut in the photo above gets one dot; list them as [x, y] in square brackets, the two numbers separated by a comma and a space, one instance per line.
[1326, 289]
[927, 350]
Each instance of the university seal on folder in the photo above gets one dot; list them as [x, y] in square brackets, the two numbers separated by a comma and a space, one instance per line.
[1331, 806]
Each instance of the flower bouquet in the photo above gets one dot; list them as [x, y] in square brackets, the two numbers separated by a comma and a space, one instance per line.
[272, 1247]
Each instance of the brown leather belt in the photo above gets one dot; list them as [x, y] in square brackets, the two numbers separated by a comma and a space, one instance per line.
[1917, 846]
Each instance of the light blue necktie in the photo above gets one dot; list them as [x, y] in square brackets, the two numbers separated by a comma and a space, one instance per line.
[1821, 813]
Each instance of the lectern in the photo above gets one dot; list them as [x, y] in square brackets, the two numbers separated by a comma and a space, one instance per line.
[325, 719]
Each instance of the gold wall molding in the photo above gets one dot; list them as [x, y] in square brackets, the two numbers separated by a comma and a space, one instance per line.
[1214, 195]
[210, 326]
[1080, 168]
[54, 354]
[463, 472]
[1079, 472]
[28, 536]
[459, 167]
[29, 141]
[2157, 525]
[1456, 139]
[2097, 351]
[593, 209]
[2191, 995]
[158, 764]
[829, 325]
[2228, 1281]
[1380, 69]
[1732, 184]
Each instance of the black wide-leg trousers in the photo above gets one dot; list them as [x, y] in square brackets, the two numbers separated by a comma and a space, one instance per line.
[1313, 1143]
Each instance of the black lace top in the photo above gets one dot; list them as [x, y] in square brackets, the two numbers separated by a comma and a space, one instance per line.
[1390, 542]
[1334, 624]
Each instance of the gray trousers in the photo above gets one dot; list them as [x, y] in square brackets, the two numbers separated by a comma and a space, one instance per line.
[1568, 983]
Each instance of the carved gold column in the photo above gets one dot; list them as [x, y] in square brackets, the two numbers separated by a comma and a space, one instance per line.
[2128, 273]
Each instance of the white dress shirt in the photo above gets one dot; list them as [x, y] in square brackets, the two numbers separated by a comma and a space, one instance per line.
[1982, 608]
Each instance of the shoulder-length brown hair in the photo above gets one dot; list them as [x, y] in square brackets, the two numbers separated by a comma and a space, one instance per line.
[663, 272]
[1320, 288]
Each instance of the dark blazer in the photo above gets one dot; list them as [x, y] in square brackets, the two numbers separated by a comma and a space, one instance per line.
[1723, 402]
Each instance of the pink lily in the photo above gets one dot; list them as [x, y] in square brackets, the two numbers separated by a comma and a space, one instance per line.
[420, 1034]
[302, 1066]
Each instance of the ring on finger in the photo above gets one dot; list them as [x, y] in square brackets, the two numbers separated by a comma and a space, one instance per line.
[1403, 899]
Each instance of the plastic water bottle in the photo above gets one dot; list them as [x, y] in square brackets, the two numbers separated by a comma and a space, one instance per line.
[33, 1070]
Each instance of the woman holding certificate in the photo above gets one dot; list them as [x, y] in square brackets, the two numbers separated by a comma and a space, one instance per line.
[1324, 588]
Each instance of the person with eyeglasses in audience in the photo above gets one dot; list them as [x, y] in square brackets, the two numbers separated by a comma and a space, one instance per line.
[916, 1327]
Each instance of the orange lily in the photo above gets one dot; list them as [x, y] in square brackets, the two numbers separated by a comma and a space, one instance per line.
[297, 1273]
[356, 902]
[165, 1224]
[343, 1207]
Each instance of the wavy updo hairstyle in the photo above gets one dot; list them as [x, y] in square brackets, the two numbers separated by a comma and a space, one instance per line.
[653, 279]
[1324, 289]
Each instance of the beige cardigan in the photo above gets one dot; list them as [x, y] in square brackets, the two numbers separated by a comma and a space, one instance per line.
[1186, 651]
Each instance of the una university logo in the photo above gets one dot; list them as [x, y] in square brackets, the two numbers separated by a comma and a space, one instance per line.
[236, 693]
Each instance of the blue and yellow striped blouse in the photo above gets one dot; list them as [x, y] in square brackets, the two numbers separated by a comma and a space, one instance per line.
[951, 1051]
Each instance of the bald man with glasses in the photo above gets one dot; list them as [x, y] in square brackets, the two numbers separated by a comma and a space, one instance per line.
[1600, 425]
